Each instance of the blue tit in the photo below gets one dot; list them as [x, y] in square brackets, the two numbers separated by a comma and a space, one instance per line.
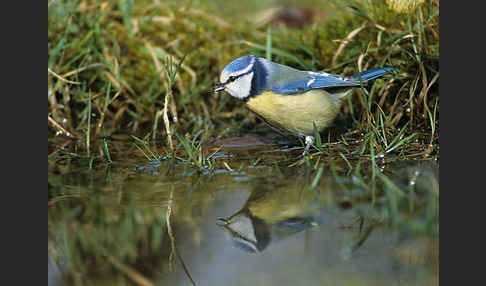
[290, 100]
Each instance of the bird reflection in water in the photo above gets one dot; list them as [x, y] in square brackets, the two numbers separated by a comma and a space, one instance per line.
[269, 216]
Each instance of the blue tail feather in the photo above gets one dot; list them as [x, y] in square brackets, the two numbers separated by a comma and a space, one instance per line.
[372, 73]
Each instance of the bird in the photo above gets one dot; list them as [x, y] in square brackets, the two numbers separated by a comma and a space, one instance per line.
[291, 101]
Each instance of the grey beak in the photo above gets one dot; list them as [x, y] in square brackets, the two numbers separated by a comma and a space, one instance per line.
[219, 87]
[222, 221]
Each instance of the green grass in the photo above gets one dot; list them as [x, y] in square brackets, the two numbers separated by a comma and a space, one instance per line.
[195, 154]
[146, 150]
[102, 49]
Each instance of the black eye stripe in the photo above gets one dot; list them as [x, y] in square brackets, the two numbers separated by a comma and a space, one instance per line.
[233, 77]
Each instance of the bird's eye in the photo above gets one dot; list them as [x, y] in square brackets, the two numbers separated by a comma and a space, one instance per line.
[231, 78]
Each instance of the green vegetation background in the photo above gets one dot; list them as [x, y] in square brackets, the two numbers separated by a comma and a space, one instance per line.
[113, 67]
[110, 59]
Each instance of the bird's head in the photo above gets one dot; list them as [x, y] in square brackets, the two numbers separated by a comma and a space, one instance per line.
[242, 78]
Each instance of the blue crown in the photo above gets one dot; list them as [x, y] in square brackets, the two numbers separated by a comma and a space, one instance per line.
[239, 64]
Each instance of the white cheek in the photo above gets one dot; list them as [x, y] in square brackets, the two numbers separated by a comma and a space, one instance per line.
[241, 87]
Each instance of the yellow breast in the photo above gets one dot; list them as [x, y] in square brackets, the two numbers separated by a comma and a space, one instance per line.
[295, 113]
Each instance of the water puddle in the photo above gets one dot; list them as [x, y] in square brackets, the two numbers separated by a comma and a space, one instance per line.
[247, 221]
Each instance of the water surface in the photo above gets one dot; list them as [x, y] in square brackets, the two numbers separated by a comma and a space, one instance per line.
[250, 220]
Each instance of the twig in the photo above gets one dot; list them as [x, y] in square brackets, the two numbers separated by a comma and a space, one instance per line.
[166, 118]
[88, 130]
[169, 229]
[61, 78]
[346, 41]
[76, 71]
[58, 126]
[411, 96]
[105, 108]
[171, 71]
[185, 268]
[172, 240]
[361, 57]
[424, 85]
[158, 66]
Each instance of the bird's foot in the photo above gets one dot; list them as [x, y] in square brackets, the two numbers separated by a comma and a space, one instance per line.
[309, 140]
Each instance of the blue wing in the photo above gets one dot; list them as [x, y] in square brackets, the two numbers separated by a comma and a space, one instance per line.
[315, 80]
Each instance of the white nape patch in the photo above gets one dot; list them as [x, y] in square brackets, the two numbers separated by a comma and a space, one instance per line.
[265, 63]
[241, 87]
[311, 81]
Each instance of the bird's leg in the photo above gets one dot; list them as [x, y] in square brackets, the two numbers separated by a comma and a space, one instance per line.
[309, 140]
